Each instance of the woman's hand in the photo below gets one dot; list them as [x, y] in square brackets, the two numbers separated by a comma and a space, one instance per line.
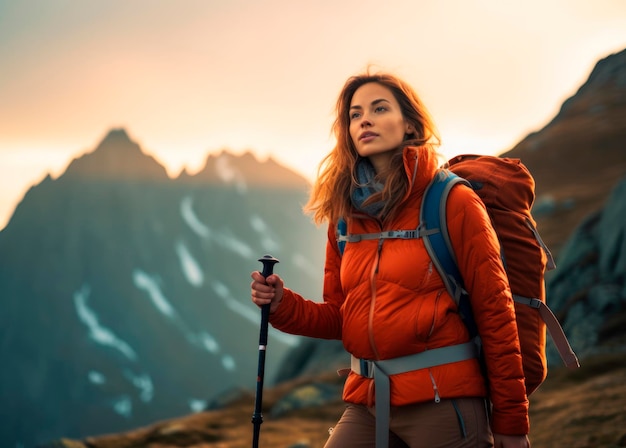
[267, 290]
[503, 441]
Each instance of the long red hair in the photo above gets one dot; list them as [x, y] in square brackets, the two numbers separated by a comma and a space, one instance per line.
[330, 197]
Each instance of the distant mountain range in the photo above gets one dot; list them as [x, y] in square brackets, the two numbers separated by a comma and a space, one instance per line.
[125, 294]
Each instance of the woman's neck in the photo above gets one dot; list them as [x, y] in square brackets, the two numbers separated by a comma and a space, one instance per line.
[381, 162]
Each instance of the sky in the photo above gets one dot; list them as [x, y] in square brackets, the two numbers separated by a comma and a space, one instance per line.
[189, 78]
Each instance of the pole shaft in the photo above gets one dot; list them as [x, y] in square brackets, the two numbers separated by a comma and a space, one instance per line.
[257, 418]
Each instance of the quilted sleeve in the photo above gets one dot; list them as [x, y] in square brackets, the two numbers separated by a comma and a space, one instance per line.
[305, 317]
[477, 251]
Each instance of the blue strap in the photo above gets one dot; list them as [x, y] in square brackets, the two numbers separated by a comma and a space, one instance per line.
[433, 217]
[438, 244]
[342, 230]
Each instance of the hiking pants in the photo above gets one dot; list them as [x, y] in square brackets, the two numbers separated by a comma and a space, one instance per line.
[451, 423]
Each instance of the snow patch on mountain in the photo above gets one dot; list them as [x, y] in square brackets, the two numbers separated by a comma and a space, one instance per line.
[145, 282]
[190, 267]
[269, 241]
[97, 332]
[123, 405]
[143, 382]
[192, 220]
[203, 340]
[223, 238]
[230, 174]
[227, 240]
[96, 377]
[197, 405]
[208, 342]
[228, 362]
[233, 304]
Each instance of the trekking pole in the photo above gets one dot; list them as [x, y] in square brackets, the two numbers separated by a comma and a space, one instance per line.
[257, 418]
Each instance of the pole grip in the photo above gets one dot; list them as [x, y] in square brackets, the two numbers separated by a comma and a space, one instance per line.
[268, 265]
[268, 269]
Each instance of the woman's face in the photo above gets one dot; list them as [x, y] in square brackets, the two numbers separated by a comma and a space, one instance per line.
[377, 126]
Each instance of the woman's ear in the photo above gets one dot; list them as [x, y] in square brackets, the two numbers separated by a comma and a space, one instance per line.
[410, 129]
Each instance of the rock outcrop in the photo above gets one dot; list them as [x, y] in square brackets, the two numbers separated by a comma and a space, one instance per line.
[589, 287]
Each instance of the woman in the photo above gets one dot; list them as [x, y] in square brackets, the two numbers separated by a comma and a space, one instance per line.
[384, 299]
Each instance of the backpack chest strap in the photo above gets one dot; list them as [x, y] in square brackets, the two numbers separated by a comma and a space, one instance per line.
[381, 370]
[391, 234]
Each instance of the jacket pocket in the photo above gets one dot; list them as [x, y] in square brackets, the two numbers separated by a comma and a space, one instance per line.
[438, 318]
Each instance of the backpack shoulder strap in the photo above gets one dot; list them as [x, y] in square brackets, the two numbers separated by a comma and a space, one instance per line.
[437, 241]
[342, 231]
[433, 218]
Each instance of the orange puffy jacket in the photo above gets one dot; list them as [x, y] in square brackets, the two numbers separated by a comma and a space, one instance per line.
[386, 300]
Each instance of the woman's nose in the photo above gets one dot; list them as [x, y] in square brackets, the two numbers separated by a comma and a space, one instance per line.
[365, 121]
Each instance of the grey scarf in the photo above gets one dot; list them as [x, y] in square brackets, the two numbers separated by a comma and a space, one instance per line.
[366, 186]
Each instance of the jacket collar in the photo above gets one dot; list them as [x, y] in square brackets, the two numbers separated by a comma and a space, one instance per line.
[417, 181]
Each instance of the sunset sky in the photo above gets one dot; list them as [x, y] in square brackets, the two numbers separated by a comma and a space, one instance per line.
[187, 78]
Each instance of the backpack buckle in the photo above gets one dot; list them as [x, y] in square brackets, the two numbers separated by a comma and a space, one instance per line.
[366, 368]
[362, 366]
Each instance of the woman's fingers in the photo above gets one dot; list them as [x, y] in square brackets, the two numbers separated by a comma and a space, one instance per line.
[266, 290]
[262, 293]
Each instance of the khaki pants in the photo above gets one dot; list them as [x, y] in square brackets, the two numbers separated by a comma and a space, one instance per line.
[462, 422]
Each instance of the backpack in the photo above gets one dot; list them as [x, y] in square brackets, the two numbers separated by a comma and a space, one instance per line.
[507, 189]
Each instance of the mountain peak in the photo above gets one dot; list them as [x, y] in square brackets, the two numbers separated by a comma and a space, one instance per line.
[609, 70]
[227, 168]
[604, 89]
[117, 157]
[117, 136]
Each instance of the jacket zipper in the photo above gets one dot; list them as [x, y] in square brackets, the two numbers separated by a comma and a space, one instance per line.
[373, 298]
[432, 325]
[432, 328]
[432, 379]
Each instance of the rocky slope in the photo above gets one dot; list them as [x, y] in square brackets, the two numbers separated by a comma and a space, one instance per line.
[580, 155]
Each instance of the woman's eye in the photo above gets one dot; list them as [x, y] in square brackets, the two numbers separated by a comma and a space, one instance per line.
[380, 109]
[354, 115]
